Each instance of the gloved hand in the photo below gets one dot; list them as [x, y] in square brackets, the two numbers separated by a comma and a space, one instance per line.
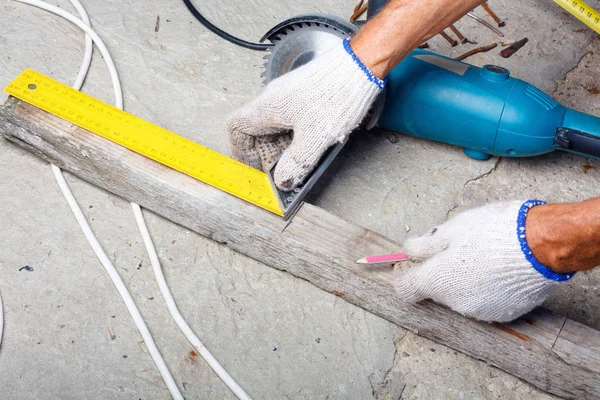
[479, 264]
[321, 102]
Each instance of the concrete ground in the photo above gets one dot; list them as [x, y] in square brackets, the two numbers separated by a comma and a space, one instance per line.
[279, 336]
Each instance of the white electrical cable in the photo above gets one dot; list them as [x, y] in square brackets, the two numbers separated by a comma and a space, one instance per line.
[87, 55]
[162, 284]
[83, 70]
[87, 231]
[114, 77]
[178, 318]
[118, 282]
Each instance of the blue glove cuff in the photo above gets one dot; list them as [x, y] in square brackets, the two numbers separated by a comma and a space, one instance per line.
[379, 82]
[539, 267]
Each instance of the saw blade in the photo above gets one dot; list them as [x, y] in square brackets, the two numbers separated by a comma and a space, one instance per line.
[298, 41]
[301, 39]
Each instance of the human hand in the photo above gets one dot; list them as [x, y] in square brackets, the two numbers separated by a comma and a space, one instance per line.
[479, 264]
[322, 102]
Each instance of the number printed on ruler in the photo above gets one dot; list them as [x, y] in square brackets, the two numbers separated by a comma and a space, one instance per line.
[146, 138]
[584, 12]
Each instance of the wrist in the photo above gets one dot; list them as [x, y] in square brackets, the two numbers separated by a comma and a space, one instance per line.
[373, 44]
[401, 26]
[564, 237]
[376, 58]
[380, 82]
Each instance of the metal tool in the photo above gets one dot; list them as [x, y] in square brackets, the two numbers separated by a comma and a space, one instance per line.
[447, 37]
[493, 15]
[459, 35]
[485, 23]
[290, 201]
[145, 138]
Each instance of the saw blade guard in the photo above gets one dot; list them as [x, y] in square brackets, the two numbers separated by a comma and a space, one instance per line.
[300, 39]
[296, 42]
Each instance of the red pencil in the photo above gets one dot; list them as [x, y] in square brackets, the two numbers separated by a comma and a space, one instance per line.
[388, 258]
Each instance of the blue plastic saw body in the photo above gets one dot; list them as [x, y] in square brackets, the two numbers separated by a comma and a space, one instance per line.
[483, 110]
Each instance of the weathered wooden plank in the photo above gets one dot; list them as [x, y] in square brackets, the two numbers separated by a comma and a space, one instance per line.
[578, 344]
[551, 352]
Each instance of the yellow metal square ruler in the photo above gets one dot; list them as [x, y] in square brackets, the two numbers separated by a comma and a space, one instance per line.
[145, 138]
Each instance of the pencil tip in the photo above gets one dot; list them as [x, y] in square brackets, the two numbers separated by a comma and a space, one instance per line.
[362, 261]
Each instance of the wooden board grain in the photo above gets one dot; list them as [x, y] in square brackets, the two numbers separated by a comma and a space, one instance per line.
[553, 353]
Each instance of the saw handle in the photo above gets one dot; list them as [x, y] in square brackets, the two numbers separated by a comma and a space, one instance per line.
[579, 134]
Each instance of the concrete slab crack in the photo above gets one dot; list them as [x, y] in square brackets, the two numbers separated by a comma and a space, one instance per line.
[498, 161]
[451, 210]
[573, 70]
[386, 388]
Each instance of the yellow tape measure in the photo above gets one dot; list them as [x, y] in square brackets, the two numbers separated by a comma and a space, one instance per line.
[584, 12]
[145, 138]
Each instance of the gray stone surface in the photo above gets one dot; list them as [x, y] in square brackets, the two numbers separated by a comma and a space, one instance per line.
[277, 335]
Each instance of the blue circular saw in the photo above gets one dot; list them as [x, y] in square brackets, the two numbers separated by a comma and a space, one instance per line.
[484, 110]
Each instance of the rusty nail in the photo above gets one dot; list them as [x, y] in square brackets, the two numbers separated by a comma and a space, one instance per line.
[460, 36]
[449, 39]
[481, 49]
[493, 15]
[359, 10]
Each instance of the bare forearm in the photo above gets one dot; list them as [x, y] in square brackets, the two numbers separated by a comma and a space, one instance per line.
[566, 237]
[401, 26]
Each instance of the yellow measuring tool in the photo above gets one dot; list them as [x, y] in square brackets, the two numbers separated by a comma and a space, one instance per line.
[584, 12]
[145, 138]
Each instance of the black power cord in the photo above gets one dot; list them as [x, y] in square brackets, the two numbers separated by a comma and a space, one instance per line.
[222, 33]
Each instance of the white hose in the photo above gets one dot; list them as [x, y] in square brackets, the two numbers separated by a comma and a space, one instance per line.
[177, 317]
[118, 282]
[87, 55]
[162, 284]
[112, 71]
[87, 231]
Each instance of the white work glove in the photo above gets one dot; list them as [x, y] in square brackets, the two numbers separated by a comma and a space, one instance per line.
[479, 264]
[321, 102]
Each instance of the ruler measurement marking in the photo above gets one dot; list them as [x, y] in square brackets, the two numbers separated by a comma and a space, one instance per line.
[146, 138]
[582, 11]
